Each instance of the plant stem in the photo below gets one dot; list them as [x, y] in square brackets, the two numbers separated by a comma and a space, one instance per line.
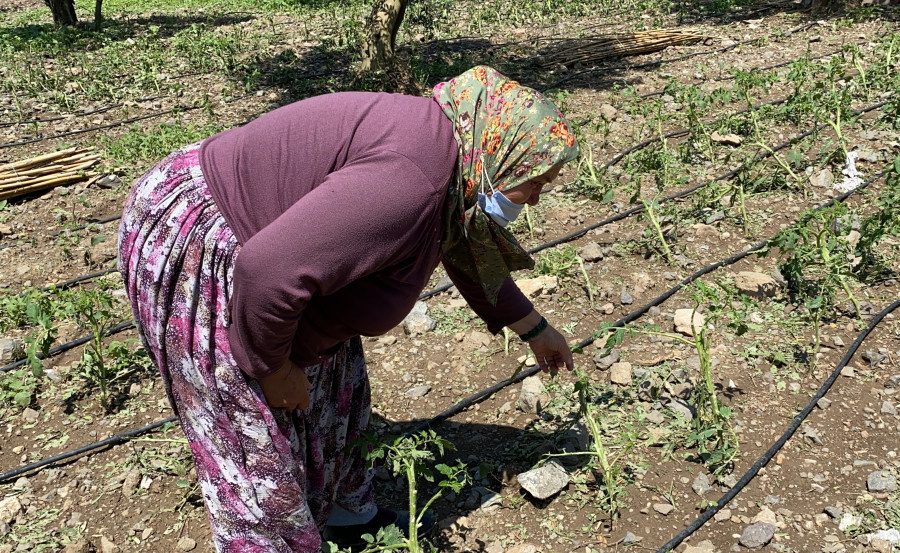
[651, 214]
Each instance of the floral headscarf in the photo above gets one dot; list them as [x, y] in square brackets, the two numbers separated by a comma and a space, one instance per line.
[507, 134]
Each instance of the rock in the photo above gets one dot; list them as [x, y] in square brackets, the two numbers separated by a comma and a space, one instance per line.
[30, 415]
[5, 229]
[893, 381]
[849, 521]
[418, 321]
[576, 439]
[620, 373]
[545, 481]
[604, 362]
[663, 508]
[534, 287]
[704, 546]
[891, 536]
[837, 341]
[766, 515]
[873, 357]
[705, 231]
[625, 298]
[107, 546]
[728, 480]
[757, 534]
[608, 112]
[881, 481]
[723, 515]
[109, 181]
[591, 252]
[10, 351]
[130, 484]
[887, 408]
[822, 179]
[755, 285]
[655, 417]
[533, 395]
[701, 484]
[479, 339]
[715, 217]
[630, 539]
[418, 391]
[727, 139]
[686, 320]
[186, 544]
[682, 409]
[522, 548]
[80, 546]
[10, 509]
[823, 403]
[881, 546]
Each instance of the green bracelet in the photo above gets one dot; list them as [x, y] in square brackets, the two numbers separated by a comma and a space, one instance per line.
[534, 332]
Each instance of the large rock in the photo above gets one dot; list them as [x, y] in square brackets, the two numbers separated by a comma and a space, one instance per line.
[604, 362]
[533, 395]
[534, 287]
[701, 484]
[881, 481]
[755, 285]
[10, 509]
[758, 534]
[418, 321]
[10, 351]
[591, 252]
[686, 320]
[545, 481]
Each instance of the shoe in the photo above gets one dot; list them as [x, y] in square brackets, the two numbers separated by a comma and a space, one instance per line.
[352, 536]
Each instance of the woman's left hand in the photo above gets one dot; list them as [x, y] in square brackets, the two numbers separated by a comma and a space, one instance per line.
[551, 351]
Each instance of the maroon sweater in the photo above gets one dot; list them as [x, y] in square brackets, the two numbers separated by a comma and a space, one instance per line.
[337, 202]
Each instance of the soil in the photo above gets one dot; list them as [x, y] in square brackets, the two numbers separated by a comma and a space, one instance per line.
[140, 495]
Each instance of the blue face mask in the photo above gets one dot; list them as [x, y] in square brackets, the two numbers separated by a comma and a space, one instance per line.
[500, 208]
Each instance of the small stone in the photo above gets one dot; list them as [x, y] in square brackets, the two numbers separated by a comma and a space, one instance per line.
[80, 546]
[418, 391]
[608, 112]
[107, 546]
[887, 408]
[418, 321]
[682, 409]
[701, 484]
[10, 509]
[893, 381]
[620, 373]
[545, 481]
[655, 417]
[837, 341]
[723, 515]
[727, 139]
[591, 252]
[186, 544]
[625, 298]
[10, 351]
[109, 181]
[881, 481]
[130, 484]
[757, 534]
[630, 539]
[766, 515]
[533, 395]
[873, 357]
[823, 403]
[534, 287]
[663, 508]
[849, 521]
[822, 179]
[30, 415]
[686, 320]
[891, 536]
[604, 362]
[704, 546]
[755, 285]
[523, 548]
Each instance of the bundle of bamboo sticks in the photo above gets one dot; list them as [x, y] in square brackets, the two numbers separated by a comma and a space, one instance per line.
[594, 49]
[47, 171]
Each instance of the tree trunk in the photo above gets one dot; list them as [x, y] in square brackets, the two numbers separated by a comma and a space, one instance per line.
[98, 15]
[381, 34]
[63, 12]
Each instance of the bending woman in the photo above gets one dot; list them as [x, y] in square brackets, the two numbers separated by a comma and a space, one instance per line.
[255, 259]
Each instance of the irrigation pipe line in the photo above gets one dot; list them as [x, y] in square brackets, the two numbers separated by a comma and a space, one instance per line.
[73, 281]
[480, 396]
[69, 345]
[791, 429]
[112, 440]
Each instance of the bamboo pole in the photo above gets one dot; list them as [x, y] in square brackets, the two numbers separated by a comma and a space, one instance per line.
[603, 47]
[46, 171]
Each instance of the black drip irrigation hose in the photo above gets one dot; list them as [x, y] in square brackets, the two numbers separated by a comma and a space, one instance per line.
[69, 345]
[73, 281]
[111, 441]
[770, 453]
[480, 396]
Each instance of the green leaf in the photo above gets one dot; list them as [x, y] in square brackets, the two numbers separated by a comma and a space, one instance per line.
[23, 398]
[98, 239]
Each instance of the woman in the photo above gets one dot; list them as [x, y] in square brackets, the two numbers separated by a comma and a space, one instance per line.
[256, 259]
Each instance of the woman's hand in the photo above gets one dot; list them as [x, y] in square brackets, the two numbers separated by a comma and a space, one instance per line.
[551, 351]
[286, 388]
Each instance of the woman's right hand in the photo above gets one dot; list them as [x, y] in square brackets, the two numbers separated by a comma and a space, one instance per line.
[287, 388]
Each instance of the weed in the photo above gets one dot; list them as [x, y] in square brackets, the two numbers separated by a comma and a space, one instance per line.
[557, 262]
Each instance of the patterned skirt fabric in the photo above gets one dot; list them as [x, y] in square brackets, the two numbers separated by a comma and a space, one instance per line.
[269, 476]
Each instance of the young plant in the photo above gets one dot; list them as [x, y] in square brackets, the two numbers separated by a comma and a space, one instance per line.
[93, 309]
[408, 457]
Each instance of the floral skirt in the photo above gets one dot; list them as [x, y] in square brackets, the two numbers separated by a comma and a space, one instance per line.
[269, 477]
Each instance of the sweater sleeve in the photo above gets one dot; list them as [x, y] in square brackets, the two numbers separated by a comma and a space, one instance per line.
[512, 305]
[362, 218]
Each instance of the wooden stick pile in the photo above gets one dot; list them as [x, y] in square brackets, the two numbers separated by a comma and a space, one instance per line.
[595, 49]
[47, 171]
